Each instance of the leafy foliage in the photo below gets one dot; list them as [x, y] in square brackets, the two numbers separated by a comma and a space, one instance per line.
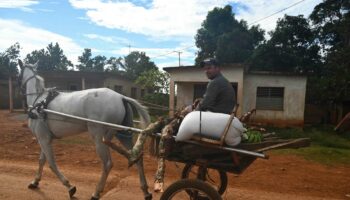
[332, 21]
[225, 38]
[136, 63]
[154, 79]
[157, 99]
[290, 49]
[8, 60]
[113, 64]
[52, 58]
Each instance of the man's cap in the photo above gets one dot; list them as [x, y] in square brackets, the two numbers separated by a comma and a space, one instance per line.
[209, 61]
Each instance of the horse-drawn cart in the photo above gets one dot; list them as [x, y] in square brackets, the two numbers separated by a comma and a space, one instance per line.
[102, 111]
[204, 175]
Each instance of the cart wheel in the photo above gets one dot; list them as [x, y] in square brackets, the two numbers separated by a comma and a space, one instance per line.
[215, 178]
[199, 191]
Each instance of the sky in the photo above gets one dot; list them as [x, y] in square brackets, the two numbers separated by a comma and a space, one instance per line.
[160, 28]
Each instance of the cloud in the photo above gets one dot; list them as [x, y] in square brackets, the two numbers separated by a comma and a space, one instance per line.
[108, 39]
[31, 38]
[17, 3]
[163, 19]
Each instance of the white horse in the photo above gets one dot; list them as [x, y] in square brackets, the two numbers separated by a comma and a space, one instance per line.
[100, 104]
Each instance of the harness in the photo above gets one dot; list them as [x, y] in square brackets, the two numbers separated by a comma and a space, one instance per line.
[37, 106]
[43, 104]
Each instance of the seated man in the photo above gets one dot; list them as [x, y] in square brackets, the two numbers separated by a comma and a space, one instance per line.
[220, 96]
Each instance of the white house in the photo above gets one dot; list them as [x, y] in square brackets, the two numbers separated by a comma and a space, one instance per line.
[278, 97]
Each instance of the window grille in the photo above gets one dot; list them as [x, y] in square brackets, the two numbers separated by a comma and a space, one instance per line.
[269, 98]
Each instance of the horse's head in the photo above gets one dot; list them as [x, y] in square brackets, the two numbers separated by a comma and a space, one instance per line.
[28, 71]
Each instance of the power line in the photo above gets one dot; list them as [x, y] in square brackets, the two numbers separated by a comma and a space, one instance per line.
[170, 52]
[161, 55]
[276, 12]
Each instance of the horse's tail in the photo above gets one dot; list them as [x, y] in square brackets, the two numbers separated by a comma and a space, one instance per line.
[141, 110]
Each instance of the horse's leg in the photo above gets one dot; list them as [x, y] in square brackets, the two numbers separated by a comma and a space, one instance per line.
[44, 139]
[143, 180]
[126, 139]
[34, 184]
[105, 156]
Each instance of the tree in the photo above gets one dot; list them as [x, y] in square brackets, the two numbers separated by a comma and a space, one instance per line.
[98, 63]
[331, 19]
[158, 82]
[225, 38]
[51, 59]
[292, 48]
[93, 64]
[57, 59]
[8, 60]
[113, 64]
[85, 60]
[154, 79]
[135, 63]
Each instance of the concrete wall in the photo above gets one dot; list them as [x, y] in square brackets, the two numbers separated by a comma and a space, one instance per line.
[184, 94]
[127, 85]
[294, 98]
[186, 77]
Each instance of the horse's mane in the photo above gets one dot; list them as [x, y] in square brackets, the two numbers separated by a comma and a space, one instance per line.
[41, 81]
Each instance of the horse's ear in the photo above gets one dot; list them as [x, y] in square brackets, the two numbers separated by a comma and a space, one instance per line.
[20, 63]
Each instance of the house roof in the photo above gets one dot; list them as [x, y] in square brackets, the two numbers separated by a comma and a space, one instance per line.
[275, 73]
[75, 74]
[177, 68]
[188, 67]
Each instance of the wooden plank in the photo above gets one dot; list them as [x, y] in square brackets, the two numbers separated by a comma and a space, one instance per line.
[296, 143]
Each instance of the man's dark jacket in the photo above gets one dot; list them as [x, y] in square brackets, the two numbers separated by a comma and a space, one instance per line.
[219, 97]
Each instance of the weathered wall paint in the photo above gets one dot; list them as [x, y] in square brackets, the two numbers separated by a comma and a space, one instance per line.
[294, 98]
[247, 83]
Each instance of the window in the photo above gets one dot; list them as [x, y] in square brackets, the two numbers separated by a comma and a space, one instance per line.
[118, 88]
[269, 98]
[133, 92]
[142, 92]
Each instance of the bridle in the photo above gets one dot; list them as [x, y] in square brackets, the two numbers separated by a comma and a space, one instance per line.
[23, 85]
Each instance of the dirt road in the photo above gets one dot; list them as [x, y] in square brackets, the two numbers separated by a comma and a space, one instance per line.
[280, 177]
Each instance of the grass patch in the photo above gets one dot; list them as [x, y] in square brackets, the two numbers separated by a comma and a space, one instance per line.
[321, 154]
[327, 146]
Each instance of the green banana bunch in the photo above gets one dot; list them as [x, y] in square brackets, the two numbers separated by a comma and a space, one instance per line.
[253, 136]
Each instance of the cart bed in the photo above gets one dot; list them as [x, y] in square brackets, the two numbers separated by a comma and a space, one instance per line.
[213, 157]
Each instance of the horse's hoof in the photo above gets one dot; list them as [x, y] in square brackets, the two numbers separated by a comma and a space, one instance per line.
[148, 196]
[72, 191]
[94, 198]
[33, 185]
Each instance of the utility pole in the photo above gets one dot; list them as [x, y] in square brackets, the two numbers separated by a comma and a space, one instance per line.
[179, 52]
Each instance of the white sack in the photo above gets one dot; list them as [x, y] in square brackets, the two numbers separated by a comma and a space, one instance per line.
[212, 125]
